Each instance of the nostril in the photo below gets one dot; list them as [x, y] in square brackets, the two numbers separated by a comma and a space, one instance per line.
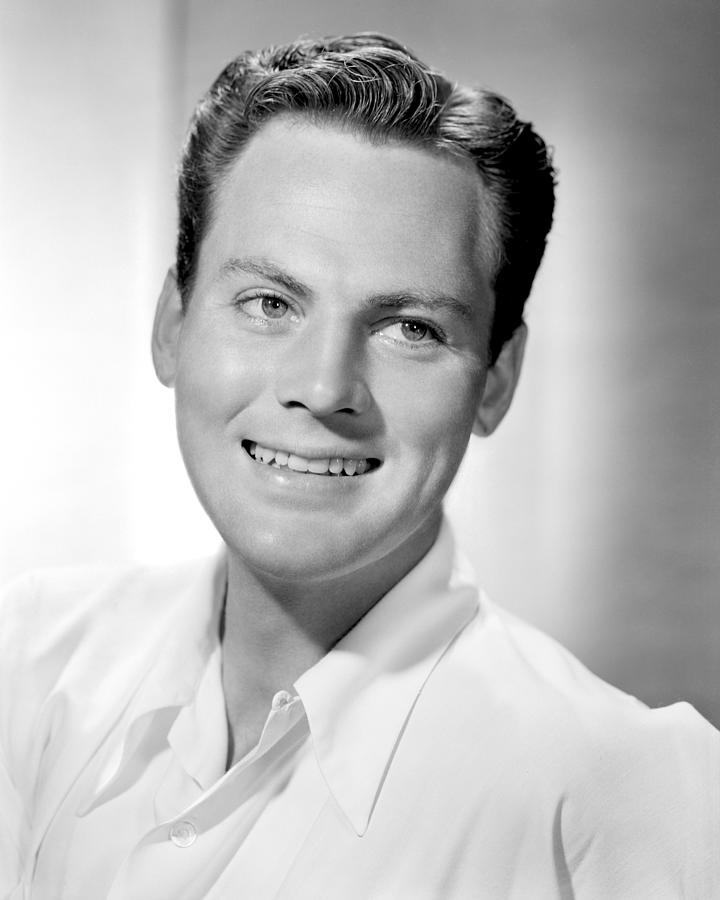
[323, 388]
[321, 406]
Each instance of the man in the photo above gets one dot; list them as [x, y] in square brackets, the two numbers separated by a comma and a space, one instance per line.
[330, 709]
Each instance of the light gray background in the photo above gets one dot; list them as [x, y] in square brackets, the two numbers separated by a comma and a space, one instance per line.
[595, 511]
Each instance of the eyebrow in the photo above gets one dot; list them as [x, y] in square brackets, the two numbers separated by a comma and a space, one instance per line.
[431, 301]
[264, 268]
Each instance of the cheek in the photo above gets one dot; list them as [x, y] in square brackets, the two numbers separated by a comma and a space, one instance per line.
[216, 379]
[214, 385]
[433, 413]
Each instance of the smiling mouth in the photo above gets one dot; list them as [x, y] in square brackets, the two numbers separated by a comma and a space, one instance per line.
[325, 465]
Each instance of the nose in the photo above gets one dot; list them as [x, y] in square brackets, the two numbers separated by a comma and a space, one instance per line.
[323, 371]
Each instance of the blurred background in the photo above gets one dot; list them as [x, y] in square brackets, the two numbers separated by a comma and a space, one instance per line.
[595, 510]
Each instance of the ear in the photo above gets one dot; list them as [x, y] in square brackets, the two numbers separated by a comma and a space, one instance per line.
[500, 382]
[167, 326]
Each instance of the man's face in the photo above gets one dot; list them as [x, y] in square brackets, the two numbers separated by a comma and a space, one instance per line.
[338, 323]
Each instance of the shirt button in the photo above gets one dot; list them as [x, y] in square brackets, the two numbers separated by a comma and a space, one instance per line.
[183, 834]
[281, 699]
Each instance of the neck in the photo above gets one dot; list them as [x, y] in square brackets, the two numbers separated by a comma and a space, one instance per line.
[276, 629]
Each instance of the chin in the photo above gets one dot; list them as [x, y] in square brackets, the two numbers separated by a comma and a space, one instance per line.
[298, 555]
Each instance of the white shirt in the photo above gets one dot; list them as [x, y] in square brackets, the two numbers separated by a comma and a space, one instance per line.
[441, 750]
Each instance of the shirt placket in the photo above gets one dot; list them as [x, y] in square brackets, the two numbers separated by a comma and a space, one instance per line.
[184, 855]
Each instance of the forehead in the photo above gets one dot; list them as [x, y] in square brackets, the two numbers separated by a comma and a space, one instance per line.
[324, 198]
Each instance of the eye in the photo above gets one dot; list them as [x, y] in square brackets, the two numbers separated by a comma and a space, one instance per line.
[273, 307]
[415, 331]
[411, 332]
[264, 308]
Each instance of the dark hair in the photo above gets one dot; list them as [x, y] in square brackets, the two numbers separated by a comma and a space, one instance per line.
[377, 87]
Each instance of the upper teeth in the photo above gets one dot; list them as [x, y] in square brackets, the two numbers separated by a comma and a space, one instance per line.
[328, 465]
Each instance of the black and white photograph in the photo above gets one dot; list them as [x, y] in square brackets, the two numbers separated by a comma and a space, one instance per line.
[360, 471]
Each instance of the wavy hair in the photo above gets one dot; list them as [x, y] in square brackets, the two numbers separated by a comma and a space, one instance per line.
[378, 88]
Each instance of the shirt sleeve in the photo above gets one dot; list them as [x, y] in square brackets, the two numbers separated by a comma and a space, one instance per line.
[647, 823]
[12, 833]
[15, 721]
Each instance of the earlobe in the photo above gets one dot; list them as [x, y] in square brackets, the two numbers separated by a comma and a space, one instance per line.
[501, 381]
[167, 326]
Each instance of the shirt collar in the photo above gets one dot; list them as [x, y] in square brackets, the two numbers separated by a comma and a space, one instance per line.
[192, 633]
[189, 600]
[359, 696]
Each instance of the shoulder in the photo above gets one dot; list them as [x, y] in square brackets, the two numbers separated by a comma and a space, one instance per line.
[65, 631]
[47, 614]
[631, 795]
[535, 686]
[528, 673]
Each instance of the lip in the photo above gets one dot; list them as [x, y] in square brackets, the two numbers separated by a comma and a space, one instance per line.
[369, 463]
